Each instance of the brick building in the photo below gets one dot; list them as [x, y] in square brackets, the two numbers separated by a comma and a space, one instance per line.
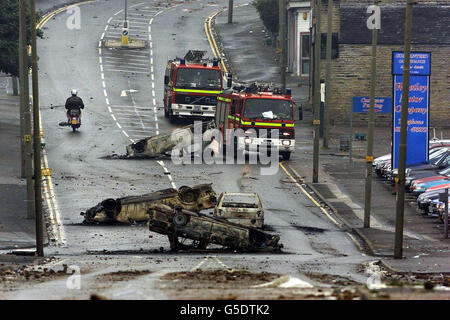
[351, 64]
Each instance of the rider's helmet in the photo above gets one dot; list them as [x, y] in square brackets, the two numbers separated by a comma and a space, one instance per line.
[74, 92]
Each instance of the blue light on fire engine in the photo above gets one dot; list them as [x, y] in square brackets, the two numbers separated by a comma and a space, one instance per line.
[215, 63]
[288, 91]
[182, 61]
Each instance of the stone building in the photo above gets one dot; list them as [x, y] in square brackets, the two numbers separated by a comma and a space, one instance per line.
[351, 64]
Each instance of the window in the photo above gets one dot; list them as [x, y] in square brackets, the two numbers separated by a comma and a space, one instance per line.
[305, 49]
[233, 107]
[334, 46]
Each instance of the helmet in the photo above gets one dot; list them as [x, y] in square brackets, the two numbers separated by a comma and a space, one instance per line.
[74, 92]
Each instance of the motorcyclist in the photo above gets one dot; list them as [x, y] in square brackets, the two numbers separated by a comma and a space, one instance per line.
[74, 103]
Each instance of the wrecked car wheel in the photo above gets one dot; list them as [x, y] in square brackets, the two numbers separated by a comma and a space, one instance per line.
[180, 219]
[187, 195]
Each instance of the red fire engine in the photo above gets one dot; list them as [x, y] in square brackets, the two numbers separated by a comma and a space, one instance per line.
[191, 86]
[249, 108]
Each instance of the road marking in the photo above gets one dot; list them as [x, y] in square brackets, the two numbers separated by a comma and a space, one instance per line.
[126, 71]
[137, 66]
[123, 59]
[212, 41]
[310, 197]
[50, 197]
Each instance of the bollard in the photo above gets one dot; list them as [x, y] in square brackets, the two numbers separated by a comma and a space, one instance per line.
[300, 113]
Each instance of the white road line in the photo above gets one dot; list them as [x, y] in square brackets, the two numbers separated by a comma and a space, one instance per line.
[143, 55]
[109, 20]
[120, 22]
[126, 64]
[122, 67]
[122, 59]
[112, 116]
[127, 71]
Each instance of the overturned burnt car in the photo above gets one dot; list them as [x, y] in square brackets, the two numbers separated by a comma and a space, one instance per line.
[162, 145]
[180, 224]
[134, 208]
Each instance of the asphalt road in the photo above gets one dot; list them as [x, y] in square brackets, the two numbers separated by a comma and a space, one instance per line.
[82, 177]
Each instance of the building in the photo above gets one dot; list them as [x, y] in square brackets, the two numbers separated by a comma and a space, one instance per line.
[298, 33]
[350, 69]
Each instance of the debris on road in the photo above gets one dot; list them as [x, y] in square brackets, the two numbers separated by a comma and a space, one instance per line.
[135, 208]
[203, 231]
[162, 145]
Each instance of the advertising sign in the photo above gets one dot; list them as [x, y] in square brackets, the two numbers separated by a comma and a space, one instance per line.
[382, 105]
[420, 63]
[418, 106]
[418, 118]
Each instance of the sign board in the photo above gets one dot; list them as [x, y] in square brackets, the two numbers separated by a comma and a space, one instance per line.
[420, 63]
[362, 105]
[418, 107]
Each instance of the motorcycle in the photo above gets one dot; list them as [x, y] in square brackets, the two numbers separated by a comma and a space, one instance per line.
[74, 119]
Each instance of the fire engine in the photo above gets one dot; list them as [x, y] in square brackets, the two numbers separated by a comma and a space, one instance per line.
[254, 109]
[191, 86]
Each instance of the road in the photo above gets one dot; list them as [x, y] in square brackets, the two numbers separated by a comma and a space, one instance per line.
[74, 58]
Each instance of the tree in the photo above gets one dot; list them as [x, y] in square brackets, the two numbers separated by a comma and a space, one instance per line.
[9, 35]
[268, 12]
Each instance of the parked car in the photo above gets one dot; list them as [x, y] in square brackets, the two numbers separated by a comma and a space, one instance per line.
[440, 160]
[433, 176]
[422, 187]
[425, 199]
[241, 208]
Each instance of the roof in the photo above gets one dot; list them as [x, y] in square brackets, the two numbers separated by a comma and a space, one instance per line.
[195, 65]
[259, 95]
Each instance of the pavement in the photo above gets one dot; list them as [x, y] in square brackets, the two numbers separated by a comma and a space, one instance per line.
[16, 231]
[341, 181]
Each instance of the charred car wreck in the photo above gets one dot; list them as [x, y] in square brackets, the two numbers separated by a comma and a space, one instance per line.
[176, 213]
[134, 208]
[178, 223]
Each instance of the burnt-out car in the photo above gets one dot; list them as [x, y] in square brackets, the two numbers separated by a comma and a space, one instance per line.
[179, 224]
[134, 208]
[241, 208]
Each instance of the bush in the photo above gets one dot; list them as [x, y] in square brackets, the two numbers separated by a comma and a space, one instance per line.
[268, 12]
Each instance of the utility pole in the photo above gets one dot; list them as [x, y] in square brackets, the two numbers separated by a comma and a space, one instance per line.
[316, 121]
[25, 111]
[230, 11]
[36, 140]
[369, 156]
[23, 94]
[126, 9]
[326, 114]
[398, 249]
[282, 37]
[312, 61]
